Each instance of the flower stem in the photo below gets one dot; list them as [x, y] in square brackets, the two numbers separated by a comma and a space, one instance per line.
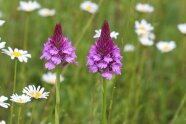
[33, 106]
[179, 109]
[14, 86]
[26, 33]
[111, 103]
[19, 115]
[57, 96]
[104, 93]
[15, 75]
[87, 26]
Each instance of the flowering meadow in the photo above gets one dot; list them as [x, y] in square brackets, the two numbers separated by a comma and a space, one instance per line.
[92, 62]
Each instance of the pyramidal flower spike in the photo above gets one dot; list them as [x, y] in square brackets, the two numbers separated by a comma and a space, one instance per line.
[58, 50]
[104, 56]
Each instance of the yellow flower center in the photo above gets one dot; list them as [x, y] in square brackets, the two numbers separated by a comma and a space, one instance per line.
[32, 94]
[142, 27]
[166, 48]
[16, 54]
[47, 12]
[89, 7]
[20, 100]
[37, 95]
[29, 9]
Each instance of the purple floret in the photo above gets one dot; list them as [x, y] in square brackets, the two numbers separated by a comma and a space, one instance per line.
[58, 50]
[104, 56]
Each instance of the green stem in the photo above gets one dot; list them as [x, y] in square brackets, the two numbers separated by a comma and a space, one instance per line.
[104, 93]
[14, 87]
[57, 96]
[139, 83]
[33, 106]
[25, 42]
[19, 115]
[87, 26]
[111, 103]
[179, 109]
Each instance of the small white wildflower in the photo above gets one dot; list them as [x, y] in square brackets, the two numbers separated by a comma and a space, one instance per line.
[2, 122]
[28, 6]
[20, 98]
[147, 39]
[165, 46]
[2, 102]
[182, 28]
[145, 8]
[36, 93]
[20, 54]
[89, 6]
[2, 44]
[2, 22]
[129, 48]
[51, 78]
[143, 27]
[113, 34]
[45, 12]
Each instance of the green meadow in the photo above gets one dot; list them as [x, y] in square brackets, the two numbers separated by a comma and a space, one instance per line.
[150, 90]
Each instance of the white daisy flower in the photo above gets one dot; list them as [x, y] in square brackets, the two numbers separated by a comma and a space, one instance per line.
[2, 102]
[45, 12]
[2, 22]
[2, 44]
[182, 28]
[145, 8]
[165, 46]
[51, 78]
[113, 34]
[36, 93]
[147, 39]
[21, 55]
[28, 6]
[129, 48]
[143, 27]
[89, 6]
[20, 98]
[2, 122]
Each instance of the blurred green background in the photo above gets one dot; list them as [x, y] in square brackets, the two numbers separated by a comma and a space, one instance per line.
[150, 89]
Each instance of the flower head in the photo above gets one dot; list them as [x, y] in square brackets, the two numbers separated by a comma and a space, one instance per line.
[51, 78]
[182, 28]
[113, 34]
[2, 102]
[143, 27]
[28, 6]
[2, 44]
[104, 56]
[145, 8]
[2, 122]
[129, 48]
[45, 12]
[89, 6]
[147, 39]
[37, 93]
[20, 98]
[165, 46]
[2, 22]
[58, 50]
[21, 55]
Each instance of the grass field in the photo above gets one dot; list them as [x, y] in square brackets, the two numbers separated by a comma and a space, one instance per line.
[151, 89]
